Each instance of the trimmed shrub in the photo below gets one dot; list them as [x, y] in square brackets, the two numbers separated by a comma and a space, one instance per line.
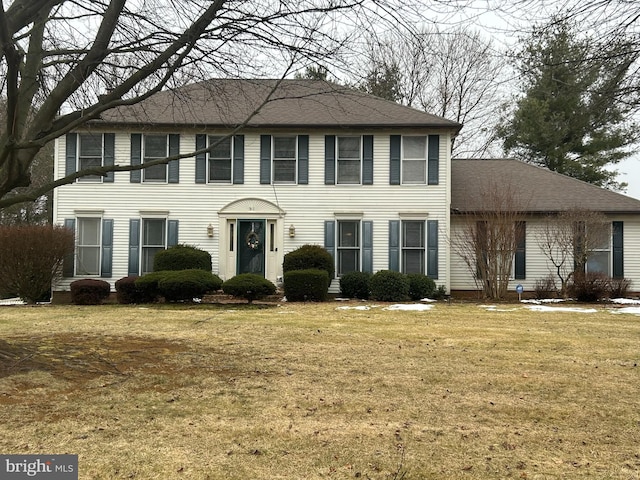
[89, 291]
[355, 285]
[545, 287]
[306, 285]
[619, 287]
[309, 257]
[147, 287]
[126, 291]
[31, 259]
[389, 286]
[420, 286]
[589, 287]
[182, 257]
[441, 293]
[185, 285]
[248, 286]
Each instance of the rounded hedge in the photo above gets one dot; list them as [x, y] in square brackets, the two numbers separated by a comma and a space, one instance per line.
[355, 285]
[186, 285]
[126, 291]
[182, 257]
[389, 286]
[89, 291]
[309, 257]
[147, 287]
[420, 286]
[248, 286]
[306, 285]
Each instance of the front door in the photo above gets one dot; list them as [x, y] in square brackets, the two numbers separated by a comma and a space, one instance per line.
[251, 250]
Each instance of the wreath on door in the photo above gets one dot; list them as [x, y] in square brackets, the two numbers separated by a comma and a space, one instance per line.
[253, 241]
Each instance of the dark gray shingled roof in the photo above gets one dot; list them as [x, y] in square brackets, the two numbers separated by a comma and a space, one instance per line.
[293, 103]
[539, 189]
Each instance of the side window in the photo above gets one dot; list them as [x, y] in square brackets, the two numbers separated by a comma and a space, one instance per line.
[349, 160]
[154, 239]
[413, 246]
[284, 159]
[220, 164]
[88, 246]
[414, 160]
[155, 147]
[89, 155]
[348, 246]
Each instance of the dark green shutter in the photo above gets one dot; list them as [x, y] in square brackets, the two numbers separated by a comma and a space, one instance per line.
[433, 164]
[136, 157]
[330, 237]
[201, 159]
[618, 250]
[172, 235]
[520, 269]
[134, 246]
[303, 159]
[109, 155]
[394, 245]
[238, 159]
[367, 159]
[367, 246]
[330, 160]
[432, 249]
[395, 142]
[265, 159]
[107, 249]
[71, 153]
[68, 265]
[174, 165]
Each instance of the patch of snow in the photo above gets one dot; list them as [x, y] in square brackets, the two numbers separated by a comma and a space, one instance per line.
[12, 301]
[625, 301]
[428, 300]
[543, 300]
[544, 308]
[412, 307]
[359, 307]
[630, 310]
[494, 308]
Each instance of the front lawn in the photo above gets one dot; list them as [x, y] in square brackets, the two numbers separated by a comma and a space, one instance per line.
[313, 391]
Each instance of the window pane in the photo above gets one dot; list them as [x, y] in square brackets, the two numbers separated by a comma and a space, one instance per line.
[88, 261]
[284, 171]
[348, 261]
[348, 235]
[599, 262]
[153, 232]
[349, 171]
[414, 171]
[220, 170]
[284, 147]
[221, 147]
[155, 146]
[91, 145]
[349, 148]
[413, 234]
[89, 231]
[413, 261]
[414, 147]
[148, 254]
[155, 172]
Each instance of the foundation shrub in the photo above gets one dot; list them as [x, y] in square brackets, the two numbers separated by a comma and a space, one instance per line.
[589, 287]
[355, 285]
[389, 286]
[89, 291]
[248, 286]
[182, 257]
[306, 285]
[619, 287]
[309, 257]
[545, 287]
[147, 287]
[186, 285]
[126, 291]
[420, 286]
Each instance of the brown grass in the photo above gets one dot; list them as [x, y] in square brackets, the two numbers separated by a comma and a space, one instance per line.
[309, 391]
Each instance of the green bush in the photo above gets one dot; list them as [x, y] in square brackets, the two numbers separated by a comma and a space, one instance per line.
[309, 257]
[185, 285]
[355, 285]
[306, 285]
[182, 257]
[248, 286]
[420, 286]
[147, 287]
[389, 286]
[89, 291]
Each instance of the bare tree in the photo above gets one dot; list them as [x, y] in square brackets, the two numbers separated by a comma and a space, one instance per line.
[63, 62]
[569, 238]
[489, 238]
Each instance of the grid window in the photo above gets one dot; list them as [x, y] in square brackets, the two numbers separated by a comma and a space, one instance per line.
[155, 147]
[220, 163]
[349, 159]
[154, 240]
[413, 247]
[284, 159]
[90, 155]
[600, 258]
[348, 247]
[88, 248]
[414, 160]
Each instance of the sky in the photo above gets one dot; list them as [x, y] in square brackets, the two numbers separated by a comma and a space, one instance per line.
[630, 172]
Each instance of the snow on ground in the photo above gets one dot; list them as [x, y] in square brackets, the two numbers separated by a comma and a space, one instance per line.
[11, 301]
[414, 307]
[545, 308]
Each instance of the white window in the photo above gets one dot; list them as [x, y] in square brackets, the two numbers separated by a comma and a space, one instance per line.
[88, 246]
[155, 147]
[600, 258]
[220, 163]
[90, 155]
[284, 159]
[154, 240]
[348, 246]
[349, 162]
[413, 246]
[414, 160]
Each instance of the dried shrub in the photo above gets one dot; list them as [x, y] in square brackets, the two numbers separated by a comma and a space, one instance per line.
[31, 258]
[589, 287]
[89, 291]
[545, 287]
[619, 287]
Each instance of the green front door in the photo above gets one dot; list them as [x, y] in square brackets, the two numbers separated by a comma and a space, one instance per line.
[251, 246]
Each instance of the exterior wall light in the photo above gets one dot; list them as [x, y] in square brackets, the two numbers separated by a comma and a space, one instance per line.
[210, 231]
[292, 231]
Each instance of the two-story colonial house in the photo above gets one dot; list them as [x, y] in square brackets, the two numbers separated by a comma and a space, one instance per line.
[278, 165]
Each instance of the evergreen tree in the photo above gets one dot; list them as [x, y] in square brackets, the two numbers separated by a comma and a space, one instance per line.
[383, 81]
[573, 117]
